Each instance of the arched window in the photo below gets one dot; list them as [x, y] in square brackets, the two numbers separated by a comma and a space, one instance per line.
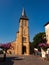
[23, 39]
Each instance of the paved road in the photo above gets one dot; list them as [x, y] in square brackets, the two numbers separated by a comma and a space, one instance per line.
[24, 60]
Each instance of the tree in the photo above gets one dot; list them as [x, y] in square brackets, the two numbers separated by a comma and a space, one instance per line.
[5, 47]
[39, 38]
[31, 48]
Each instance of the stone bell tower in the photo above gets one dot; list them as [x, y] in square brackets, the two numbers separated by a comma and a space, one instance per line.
[22, 40]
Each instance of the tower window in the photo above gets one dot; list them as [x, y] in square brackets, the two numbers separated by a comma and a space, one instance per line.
[23, 39]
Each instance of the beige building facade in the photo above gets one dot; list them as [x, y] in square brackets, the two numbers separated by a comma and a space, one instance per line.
[47, 32]
[21, 44]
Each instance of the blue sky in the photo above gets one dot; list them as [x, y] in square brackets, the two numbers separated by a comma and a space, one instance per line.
[10, 11]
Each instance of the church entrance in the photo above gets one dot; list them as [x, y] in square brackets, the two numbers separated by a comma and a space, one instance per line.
[23, 49]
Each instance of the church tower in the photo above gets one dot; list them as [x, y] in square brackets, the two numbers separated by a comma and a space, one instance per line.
[22, 39]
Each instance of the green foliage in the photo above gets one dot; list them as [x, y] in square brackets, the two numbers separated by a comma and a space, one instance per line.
[31, 48]
[39, 38]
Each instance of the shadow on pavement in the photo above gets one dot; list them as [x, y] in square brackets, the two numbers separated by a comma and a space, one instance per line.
[14, 58]
[9, 60]
[6, 62]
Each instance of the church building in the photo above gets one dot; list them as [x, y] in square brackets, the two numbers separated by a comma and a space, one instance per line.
[21, 44]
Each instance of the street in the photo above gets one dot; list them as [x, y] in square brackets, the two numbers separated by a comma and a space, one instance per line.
[24, 60]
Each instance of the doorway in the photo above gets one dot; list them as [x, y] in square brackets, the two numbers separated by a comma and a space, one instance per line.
[23, 49]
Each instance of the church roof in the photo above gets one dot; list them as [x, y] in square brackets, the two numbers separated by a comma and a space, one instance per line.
[46, 23]
[23, 15]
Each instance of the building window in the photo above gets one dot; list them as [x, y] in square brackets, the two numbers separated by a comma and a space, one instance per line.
[23, 39]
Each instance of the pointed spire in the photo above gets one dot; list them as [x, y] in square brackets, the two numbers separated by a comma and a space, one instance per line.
[23, 15]
[23, 12]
